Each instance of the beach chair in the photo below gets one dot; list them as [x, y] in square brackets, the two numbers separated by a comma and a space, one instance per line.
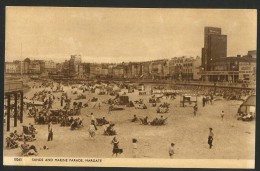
[25, 152]
[26, 130]
[29, 138]
[11, 143]
[141, 121]
[99, 121]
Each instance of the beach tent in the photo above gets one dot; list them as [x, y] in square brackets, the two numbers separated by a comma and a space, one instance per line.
[248, 106]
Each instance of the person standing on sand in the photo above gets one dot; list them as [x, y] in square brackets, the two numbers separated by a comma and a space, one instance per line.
[222, 115]
[93, 120]
[210, 138]
[171, 150]
[134, 148]
[115, 146]
[203, 101]
[92, 130]
[195, 108]
[50, 134]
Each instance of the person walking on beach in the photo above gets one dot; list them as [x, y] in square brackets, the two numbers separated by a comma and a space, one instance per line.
[210, 138]
[222, 115]
[50, 134]
[93, 119]
[195, 108]
[203, 101]
[171, 150]
[211, 99]
[92, 130]
[134, 141]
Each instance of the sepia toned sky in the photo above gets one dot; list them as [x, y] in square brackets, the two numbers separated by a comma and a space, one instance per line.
[122, 34]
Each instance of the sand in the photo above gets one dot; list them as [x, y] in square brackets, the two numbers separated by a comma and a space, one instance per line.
[233, 139]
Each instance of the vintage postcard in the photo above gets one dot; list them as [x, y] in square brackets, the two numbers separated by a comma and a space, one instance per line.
[130, 87]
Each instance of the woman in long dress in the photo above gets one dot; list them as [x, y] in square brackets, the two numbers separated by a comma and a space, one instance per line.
[115, 143]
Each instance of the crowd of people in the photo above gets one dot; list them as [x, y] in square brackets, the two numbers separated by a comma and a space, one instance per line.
[68, 113]
[225, 92]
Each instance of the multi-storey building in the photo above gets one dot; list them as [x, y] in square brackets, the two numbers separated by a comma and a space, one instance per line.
[160, 68]
[49, 66]
[66, 68]
[34, 67]
[232, 69]
[216, 66]
[145, 69]
[185, 68]
[128, 70]
[94, 70]
[166, 69]
[215, 46]
[26, 65]
[118, 71]
[252, 53]
[247, 70]
[59, 68]
[86, 70]
[176, 67]
[74, 65]
[11, 68]
[104, 71]
[191, 69]
[136, 69]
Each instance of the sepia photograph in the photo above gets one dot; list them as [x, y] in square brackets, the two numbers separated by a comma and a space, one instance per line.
[130, 87]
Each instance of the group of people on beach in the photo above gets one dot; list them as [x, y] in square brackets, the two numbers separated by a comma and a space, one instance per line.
[49, 99]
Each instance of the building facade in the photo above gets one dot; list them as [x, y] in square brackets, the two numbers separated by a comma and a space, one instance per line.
[49, 66]
[74, 65]
[215, 46]
[232, 69]
[34, 67]
[11, 68]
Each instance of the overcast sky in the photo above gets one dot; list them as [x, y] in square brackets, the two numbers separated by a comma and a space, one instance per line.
[122, 34]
